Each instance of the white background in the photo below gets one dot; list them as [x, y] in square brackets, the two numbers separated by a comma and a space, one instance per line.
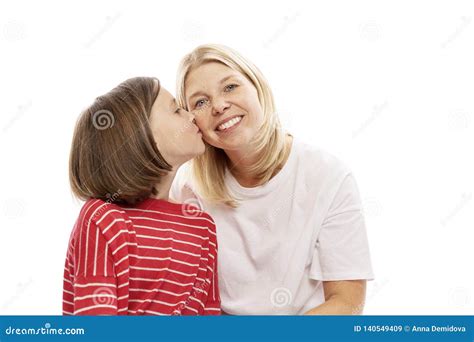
[385, 86]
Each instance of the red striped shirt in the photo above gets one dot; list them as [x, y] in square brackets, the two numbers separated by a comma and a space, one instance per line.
[155, 258]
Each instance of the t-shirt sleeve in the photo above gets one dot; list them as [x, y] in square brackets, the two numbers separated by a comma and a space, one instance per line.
[95, 283]
[342, 249]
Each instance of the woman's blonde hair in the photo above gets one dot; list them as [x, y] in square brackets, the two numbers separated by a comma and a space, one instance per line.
[208, 170]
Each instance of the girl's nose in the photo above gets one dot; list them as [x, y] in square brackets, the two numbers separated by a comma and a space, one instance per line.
[192, 117]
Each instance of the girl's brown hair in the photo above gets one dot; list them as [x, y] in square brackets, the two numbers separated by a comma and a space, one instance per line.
[113, 154]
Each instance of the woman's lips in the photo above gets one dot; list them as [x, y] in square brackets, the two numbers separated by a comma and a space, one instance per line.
[229, 123]
[232, 128]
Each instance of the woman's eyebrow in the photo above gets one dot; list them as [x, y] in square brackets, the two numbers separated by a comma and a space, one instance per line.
[226, 78]
[196, 93]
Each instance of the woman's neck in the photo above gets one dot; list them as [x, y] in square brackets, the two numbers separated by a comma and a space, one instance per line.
[241, 161]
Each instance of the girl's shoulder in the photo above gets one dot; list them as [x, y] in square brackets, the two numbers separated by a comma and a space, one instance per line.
[97, 210]
[105, 215]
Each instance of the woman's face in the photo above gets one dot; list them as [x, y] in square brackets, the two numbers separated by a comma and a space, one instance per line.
[176, 134]
[225, 104]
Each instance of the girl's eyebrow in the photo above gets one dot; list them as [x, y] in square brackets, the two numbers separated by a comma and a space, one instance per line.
[173, 103]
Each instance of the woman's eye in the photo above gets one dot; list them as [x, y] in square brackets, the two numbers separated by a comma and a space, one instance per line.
[230, 87]
[199, 103]
[177, 110]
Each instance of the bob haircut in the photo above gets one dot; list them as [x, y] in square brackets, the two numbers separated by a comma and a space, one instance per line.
[208, 170]
[113, 155]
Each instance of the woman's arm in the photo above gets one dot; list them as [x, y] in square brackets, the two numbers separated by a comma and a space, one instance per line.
[345, 297]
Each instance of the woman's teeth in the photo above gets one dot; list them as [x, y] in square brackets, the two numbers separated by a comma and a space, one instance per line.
[229, 123]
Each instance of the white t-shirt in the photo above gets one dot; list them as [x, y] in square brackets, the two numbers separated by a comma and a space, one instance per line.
[302, 227]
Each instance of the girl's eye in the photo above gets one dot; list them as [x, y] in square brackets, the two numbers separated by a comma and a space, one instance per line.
[177, 111]
[199, 103]
[230, 87]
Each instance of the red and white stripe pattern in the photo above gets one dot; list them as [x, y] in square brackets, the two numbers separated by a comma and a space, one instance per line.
[155, 258]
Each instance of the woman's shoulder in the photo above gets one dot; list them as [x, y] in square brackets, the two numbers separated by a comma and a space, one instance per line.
[182, 190]
[313, 158]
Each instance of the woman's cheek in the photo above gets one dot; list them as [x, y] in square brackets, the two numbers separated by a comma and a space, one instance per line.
[201, 123]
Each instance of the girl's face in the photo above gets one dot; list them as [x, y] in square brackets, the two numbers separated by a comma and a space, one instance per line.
[176, 134]
[225, 104]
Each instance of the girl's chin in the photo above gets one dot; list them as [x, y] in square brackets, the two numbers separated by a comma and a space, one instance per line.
[201, 150]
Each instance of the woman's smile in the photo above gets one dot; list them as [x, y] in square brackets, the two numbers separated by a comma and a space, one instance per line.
[229, 125]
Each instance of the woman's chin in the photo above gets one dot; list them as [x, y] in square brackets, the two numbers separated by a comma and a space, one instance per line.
[230, 142]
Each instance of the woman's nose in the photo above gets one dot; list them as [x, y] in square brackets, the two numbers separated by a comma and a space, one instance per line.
[219, 106]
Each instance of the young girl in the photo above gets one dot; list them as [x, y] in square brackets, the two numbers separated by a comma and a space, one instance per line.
[133, 252]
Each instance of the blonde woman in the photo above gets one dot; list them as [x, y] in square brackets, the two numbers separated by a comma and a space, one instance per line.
[289, 222]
